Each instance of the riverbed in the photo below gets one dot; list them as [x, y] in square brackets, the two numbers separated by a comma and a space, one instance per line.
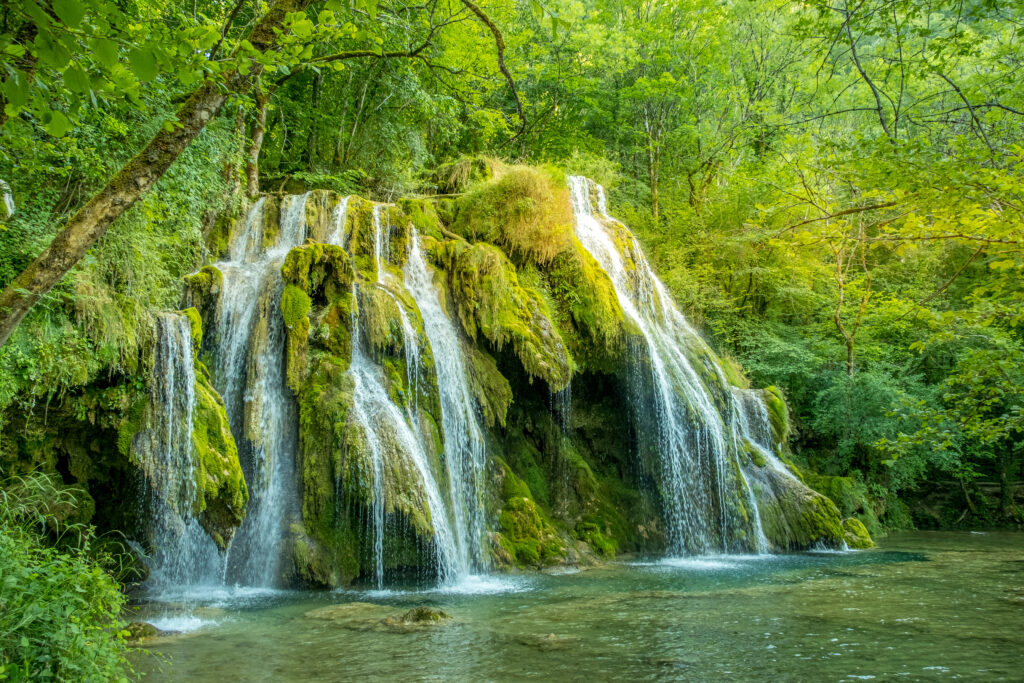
[923, 605]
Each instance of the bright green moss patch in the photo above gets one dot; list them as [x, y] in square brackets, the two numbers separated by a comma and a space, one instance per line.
[526, 538]
[587, 301]
[295, 305]
[856, 535]
[778, 414]
[492, 391]
[850, 496]
[195, 322]
[525, 210]
[423, 215]
[224, 494]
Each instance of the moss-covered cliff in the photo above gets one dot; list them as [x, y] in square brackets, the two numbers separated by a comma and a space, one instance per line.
[555, 367]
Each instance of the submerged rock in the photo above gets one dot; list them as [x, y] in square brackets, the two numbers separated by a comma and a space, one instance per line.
[365, 616]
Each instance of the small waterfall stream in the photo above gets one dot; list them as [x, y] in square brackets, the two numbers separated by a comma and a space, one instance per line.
[183, 552]
[465, 453]
[693, 437]
[249, 364]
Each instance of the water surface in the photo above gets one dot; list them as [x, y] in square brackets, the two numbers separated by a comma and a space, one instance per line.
[922, 606]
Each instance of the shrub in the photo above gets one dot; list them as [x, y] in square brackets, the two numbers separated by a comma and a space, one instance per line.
[59, 610]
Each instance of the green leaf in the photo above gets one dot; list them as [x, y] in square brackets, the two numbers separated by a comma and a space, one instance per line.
[105, 51]
[71, 12]
[51, 52]
[77, 79]
[143, 64]
[58, 125]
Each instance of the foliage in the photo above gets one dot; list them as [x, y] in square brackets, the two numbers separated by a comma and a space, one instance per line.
[59, 609]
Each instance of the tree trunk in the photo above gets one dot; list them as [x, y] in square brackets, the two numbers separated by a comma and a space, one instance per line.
[132, 182]
[252, 162]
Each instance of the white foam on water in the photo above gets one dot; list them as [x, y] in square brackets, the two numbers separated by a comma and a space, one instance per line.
[181, 623]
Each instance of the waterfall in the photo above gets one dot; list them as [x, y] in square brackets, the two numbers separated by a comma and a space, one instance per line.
[183, 553]
[337, 234]
[8, 199]
[693, 438]
[249, 371]
[465, 454]
[385, 426]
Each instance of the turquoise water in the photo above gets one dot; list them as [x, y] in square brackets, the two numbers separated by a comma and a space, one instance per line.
[922, 606]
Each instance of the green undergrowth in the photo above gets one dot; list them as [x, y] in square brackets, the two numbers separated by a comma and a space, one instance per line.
[60, 609]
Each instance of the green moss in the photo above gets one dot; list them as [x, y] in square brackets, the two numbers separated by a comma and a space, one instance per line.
[733, 373]
[492, 391]
[379, 319]
[793, 516]
[271, 221]
[423, 214]
[856, 535]
[753, 454]
[526, 537]
[195, 322]
[778, 414]
[295, 305]
[490, 302]
[224, 494]
[130, 424]
[218, 240]
[586, 301]
[850, 496]
[524, 210]
[203, 290]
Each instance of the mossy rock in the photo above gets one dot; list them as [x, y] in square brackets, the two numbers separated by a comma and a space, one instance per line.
[223, 492]
[778, 415]
[489, 302]
[856, 535]
[491, 389]
[850, 496]
[587, 303]
[526, 537]
[793, 516]
[527, 211]
[203, 290]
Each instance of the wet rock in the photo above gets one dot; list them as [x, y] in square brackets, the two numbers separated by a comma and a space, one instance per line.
[138, 630]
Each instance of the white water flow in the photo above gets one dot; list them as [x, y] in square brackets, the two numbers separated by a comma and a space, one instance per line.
[390, 434]
[754, 425]
[381, 239]
[692, 438]
[465, 453]
[250, 376]
[183, 553]
[8, 198]
[337, 234]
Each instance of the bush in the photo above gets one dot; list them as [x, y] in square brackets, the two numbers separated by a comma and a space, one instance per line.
[59, 610]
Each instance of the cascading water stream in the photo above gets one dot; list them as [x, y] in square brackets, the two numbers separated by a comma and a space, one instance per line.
[384, 424]
[249, 374]
[693, 438]
[183, 553]
[465, 454]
